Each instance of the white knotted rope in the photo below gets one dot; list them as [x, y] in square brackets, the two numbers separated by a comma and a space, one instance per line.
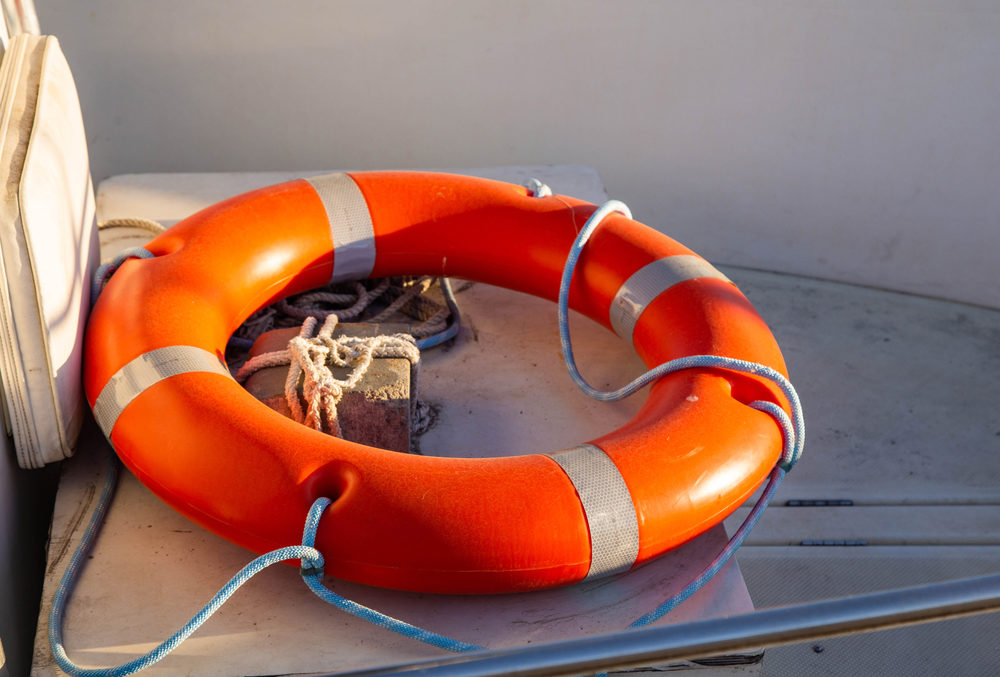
[313, 358]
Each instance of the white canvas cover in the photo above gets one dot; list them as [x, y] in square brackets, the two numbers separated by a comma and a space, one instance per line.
[48, 243]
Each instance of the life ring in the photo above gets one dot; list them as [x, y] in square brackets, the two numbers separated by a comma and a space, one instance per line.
[156, 380]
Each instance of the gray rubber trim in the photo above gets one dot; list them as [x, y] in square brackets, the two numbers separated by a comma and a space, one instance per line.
[351, 229]
[607, 505]
[146, 370]
[649, 282]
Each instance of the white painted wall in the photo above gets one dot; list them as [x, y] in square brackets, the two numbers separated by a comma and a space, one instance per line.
[847, 139]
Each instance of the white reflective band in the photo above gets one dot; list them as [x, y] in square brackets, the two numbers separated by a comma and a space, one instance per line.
[146, 370]
[649, 282]
[351, 229]
[607, 505]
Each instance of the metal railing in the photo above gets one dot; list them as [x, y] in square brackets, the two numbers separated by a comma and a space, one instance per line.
[769, 627]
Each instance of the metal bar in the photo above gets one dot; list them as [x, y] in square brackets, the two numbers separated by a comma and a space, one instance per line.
[663, 644]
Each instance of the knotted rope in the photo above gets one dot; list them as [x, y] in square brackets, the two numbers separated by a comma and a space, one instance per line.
[313, 358]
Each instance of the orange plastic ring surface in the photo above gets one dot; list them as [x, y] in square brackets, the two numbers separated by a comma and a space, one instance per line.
[692, 454]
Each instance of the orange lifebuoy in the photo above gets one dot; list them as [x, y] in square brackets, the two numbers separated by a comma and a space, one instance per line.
[155, 376]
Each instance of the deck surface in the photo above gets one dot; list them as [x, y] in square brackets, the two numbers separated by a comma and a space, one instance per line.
[901, 397]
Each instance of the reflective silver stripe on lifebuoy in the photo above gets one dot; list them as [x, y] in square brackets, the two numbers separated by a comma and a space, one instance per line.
[607, 506]
[649, 282]
[351, 229]
[146, 370]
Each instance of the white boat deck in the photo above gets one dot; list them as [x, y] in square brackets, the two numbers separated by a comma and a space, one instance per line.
[902, 420]
[900, 396]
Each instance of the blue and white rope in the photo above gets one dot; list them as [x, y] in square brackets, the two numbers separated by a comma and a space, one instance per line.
[679, 364]
[312, 565]
[313, 577]
[792, 428]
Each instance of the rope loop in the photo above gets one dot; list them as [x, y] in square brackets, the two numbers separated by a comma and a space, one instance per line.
[106, 270]
[793, 428]
[135, 222]
[537, 188]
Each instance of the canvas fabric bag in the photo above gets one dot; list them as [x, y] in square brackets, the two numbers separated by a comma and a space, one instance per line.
[48, 250]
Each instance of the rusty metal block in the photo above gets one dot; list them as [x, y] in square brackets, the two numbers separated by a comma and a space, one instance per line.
[376, 412]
